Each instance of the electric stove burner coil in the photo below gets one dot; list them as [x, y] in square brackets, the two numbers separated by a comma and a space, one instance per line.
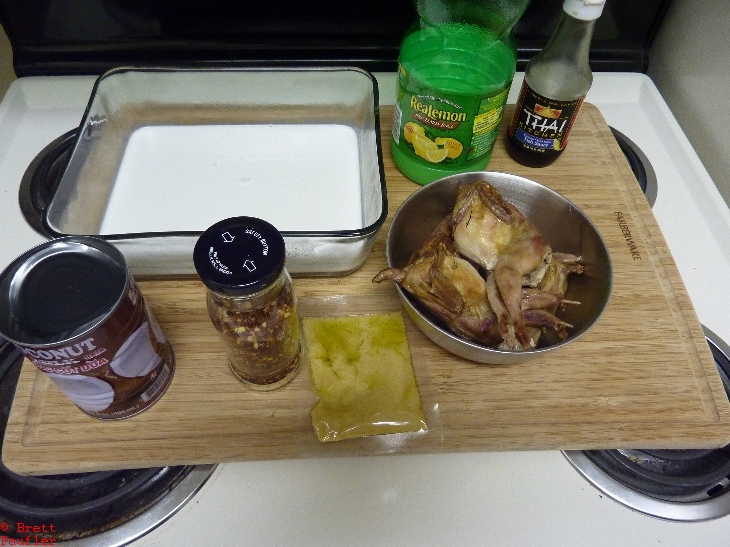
[672, 475]
[40, 179]
[639, 164]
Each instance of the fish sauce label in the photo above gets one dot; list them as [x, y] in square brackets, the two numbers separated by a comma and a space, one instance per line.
[447, 129]
[541, 124]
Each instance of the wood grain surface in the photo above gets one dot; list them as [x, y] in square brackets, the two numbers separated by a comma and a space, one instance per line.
[643, 377]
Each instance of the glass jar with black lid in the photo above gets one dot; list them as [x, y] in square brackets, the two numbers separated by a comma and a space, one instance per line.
[251, 299]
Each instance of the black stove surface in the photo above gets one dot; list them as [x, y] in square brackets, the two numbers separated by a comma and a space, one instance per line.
[58, 37]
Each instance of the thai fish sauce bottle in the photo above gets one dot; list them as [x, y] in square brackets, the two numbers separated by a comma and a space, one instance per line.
[455, 69]
[556, 81]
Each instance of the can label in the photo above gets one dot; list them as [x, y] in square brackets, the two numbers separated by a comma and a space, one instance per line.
[118, 369]
[451, 130]
[71, 307]
[541, 124]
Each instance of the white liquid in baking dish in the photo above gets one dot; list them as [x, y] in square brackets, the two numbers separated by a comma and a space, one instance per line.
[185, 178]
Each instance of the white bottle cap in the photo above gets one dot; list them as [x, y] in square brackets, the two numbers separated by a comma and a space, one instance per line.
[585, 10]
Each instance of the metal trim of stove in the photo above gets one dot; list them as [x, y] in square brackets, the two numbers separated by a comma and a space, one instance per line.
[679, 512]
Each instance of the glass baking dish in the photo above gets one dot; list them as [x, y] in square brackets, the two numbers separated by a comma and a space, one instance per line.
[163, 153]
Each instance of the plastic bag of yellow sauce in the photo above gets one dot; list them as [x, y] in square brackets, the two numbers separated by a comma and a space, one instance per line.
[362, 372]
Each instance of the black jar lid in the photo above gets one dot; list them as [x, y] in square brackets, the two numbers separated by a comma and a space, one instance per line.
[239, 256]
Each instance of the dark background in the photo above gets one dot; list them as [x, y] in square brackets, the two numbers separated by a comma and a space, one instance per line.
[90, 36]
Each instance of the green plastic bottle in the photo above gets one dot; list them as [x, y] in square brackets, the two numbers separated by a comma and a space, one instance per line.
[456, 66]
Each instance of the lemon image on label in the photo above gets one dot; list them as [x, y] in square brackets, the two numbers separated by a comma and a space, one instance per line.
[421, 143]
[411, 129]
[428, 150]
[556, 144]
[453, 147]
[436, 156]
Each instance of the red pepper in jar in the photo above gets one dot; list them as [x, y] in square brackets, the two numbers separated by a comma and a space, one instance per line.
[251, 299]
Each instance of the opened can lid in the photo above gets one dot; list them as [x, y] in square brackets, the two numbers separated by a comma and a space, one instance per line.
[60, 289]
[239, 256]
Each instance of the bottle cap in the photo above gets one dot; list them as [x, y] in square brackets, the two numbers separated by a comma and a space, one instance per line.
[239, 256]
[585, 10]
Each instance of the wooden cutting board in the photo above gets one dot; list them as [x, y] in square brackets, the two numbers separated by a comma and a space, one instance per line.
[643, 377]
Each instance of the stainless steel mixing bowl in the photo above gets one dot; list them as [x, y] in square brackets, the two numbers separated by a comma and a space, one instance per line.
[563, 225]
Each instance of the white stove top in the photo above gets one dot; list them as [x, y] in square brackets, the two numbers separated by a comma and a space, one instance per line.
[508, 498]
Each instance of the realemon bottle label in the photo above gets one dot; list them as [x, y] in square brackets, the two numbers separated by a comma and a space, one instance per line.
[449, 129]
[541, 124]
